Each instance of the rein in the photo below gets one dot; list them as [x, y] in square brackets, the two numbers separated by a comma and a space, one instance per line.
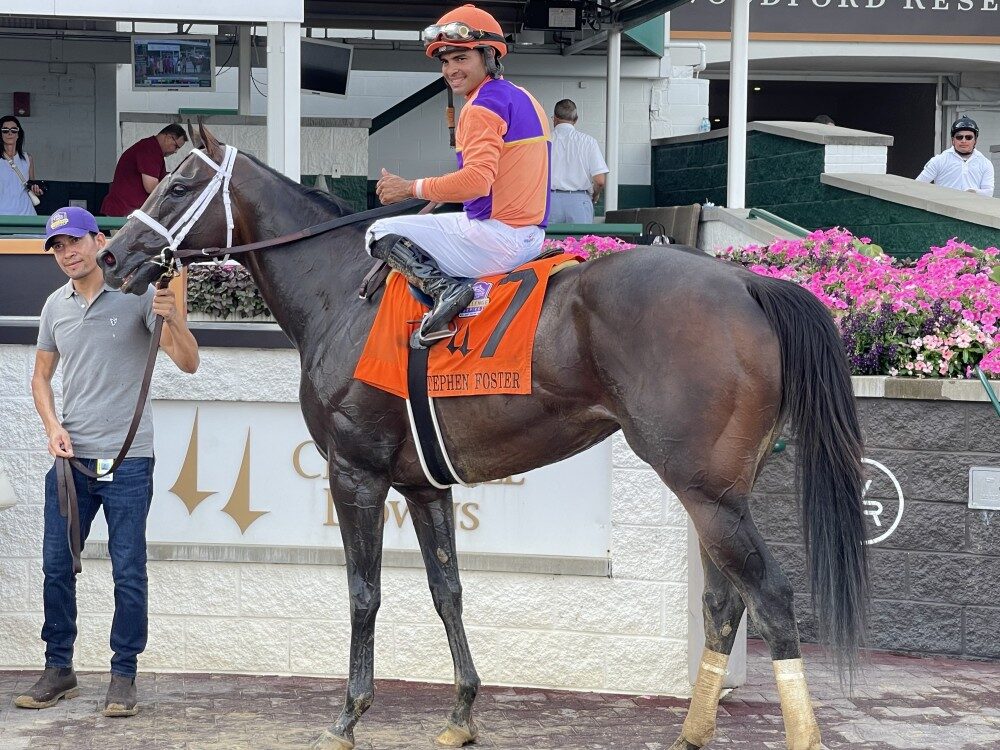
[220, 181]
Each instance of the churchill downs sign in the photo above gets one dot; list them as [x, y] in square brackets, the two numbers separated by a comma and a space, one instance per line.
[235, 473]
[926, 21]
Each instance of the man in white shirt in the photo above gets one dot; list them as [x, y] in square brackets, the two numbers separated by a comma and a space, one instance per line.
[961, 167]
[578, 169]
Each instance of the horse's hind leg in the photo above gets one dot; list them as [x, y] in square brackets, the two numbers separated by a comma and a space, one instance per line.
[359, 497]
[722, 609]
[434, 521]
[732, 541]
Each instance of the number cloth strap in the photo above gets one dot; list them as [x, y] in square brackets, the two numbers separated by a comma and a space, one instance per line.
[431, 449]
[490, 353]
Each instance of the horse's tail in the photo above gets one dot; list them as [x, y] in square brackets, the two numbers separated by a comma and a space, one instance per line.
[818, 400]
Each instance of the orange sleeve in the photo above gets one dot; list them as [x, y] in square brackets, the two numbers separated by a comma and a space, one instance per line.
[481, 145]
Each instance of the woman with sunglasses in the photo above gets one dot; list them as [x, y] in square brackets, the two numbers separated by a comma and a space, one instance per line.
[502, 180]
[961, 167]
[17, 172]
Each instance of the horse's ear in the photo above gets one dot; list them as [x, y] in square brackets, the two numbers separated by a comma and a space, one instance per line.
[210, 144]
[194, 137]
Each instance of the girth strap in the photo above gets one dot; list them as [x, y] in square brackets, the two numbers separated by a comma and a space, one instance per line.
[431, 450]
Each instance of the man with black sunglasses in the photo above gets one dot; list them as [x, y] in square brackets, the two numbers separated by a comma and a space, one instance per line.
[961, 167]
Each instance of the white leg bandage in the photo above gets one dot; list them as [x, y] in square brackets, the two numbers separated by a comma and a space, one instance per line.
[699, 726]
[801, 729]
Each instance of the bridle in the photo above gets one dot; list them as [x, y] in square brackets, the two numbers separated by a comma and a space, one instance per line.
[172, 254]
[169, 259]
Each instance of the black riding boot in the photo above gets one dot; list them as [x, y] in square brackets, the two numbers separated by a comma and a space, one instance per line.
[450, 296]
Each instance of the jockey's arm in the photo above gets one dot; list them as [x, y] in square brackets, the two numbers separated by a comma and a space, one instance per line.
[480, 161]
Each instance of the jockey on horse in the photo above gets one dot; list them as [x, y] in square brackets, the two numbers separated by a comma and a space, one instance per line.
[502, 144]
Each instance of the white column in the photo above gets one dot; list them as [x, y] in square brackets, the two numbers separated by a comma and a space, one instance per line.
[245, 40]
[613, 117]
[284, 83]
[738, 77]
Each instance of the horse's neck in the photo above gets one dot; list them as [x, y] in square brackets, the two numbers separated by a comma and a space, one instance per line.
[308, 283]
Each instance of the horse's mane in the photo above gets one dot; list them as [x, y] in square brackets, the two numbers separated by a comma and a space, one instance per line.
[317, 197]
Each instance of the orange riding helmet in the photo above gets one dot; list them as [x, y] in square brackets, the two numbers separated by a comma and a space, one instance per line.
[468, 27]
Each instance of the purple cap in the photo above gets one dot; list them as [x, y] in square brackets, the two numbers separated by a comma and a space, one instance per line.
[72, 220]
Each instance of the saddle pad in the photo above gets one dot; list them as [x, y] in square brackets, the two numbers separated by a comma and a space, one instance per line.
[490, 353]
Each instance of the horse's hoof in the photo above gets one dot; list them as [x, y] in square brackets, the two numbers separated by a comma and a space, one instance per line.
[456, 736]
[682, 744]
[329, 741]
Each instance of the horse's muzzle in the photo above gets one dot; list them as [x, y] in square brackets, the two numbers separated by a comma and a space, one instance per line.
[108, 264]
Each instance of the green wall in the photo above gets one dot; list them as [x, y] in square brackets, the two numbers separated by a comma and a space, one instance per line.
[783, 177]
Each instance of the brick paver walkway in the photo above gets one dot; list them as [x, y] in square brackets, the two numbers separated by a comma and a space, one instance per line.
[905, 704]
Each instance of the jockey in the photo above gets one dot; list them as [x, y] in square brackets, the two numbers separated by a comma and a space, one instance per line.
[502, 144]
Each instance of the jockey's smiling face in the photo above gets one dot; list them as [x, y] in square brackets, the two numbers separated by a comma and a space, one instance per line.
[463, 70]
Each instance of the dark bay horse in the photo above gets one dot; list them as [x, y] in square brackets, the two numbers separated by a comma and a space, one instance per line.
[698, 362]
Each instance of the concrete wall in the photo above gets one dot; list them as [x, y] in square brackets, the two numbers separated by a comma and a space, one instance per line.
[69, 131]
[935, 579]
[624, 633]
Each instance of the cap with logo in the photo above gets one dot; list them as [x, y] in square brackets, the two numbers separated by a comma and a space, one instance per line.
[72, 220]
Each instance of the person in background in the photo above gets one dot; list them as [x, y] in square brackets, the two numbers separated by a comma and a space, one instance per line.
[99, 337]
[961, 167]
[17, 173]
[579, 171]
[140, 169]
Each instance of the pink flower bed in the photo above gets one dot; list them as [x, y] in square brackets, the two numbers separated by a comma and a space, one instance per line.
[938, 317]
[589, 246]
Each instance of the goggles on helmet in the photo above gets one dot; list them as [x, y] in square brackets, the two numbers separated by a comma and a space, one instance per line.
[456, 31]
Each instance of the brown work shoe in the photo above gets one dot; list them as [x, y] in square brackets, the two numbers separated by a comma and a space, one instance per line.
[121, 699]
[55, 683]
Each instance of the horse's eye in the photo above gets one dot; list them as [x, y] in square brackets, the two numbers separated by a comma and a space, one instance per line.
[178, 190]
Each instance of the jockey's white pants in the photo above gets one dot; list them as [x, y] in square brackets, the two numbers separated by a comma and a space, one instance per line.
[463, 247]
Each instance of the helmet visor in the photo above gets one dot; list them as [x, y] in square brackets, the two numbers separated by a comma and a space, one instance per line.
[456, 31]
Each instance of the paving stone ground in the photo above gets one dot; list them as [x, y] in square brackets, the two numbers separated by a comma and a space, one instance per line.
[905, 703]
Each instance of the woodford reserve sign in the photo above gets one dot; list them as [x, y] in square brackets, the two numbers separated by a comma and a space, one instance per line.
[925, 21]
[236, 473]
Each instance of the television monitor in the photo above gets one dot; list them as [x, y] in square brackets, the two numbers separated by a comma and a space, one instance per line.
[326, 66]
[173, 62]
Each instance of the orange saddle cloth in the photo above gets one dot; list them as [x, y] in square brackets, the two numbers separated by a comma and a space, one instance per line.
[490, 352]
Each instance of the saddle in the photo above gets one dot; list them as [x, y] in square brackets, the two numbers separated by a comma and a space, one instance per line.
[490, 351]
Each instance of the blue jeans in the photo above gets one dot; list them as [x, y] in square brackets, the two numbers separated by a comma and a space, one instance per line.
[126, 502]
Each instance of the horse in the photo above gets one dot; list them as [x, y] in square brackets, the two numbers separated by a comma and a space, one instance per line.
[697, 361]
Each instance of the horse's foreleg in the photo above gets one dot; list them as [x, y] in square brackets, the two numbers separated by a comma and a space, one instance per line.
[359, 497]
[434, 521]
[722, 609]
[734, 544]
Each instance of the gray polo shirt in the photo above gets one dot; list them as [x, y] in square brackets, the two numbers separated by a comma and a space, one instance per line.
[102, 350]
